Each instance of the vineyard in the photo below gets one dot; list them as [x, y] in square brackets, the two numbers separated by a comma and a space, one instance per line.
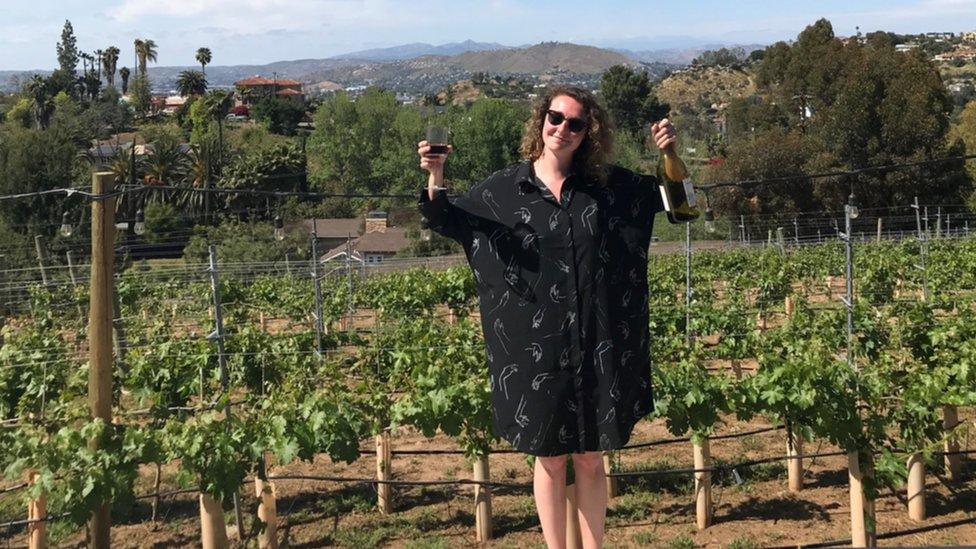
[270, 401]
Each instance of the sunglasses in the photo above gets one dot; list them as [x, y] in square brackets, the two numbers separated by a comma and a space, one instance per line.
[556, 118]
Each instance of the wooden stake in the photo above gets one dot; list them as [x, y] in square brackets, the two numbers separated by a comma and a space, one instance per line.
[262, 322]
[574, 535]
[736, 368]
[213, 529]
[383, 469]
[100, 328]
[703, 485]
[916, 487]
[862, 508]
[794, 466]
[267, 513]
[788, 306]
[482, 500]
[953, 462]
[879, 229]
[36, 510]
[608, 468]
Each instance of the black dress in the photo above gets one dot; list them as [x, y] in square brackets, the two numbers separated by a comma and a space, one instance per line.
[562, 287]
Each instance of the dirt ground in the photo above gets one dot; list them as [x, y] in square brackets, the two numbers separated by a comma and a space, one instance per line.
[755, 510]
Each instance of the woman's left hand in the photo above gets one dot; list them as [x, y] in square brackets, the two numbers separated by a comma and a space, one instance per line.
[664, 134]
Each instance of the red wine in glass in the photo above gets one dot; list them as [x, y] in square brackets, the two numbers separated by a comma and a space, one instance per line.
[437, 149]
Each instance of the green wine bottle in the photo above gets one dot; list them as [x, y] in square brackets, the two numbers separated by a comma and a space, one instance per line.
[676, 190]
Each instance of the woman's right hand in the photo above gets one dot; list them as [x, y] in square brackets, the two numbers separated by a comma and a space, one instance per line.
[433, 163]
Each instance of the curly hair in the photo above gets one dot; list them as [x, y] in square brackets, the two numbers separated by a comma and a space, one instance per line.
[594, 152]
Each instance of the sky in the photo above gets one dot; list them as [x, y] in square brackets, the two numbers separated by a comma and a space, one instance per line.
[262, 31]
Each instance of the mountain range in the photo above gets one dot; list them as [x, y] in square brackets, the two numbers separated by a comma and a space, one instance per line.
[424, 68]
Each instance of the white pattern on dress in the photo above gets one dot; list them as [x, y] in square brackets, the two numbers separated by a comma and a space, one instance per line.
[520, 417]
[587, 217]
[499, 328]
[537, 380]
[603, 347]
[537, 318]
[536, 351]
[507, 372]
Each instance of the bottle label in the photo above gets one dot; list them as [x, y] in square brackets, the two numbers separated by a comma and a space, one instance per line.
[690, 193]
[664, 199]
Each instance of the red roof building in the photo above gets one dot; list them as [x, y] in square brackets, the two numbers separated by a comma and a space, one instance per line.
[250, 90]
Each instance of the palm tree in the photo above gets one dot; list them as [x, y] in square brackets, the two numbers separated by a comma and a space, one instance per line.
[110, 60]
[99, 61]
[191, 83]
[145, 51]
[40, 100]
[204, 57]
[167, 163]
[124, 74]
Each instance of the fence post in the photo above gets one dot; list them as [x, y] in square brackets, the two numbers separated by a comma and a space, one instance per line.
[383, 472]
[213, 531]
[74, 281]
[879, 230]
[953, 461]
[350, 326]
[100, 327]
[608, 468]
[482, 500]
[862, 508]
[916, 487]
[267, 513]
[218, 336]
[36, 515]
[41, 256]
[703, 484]
[794, 465]
[317, 282]
[574, 535]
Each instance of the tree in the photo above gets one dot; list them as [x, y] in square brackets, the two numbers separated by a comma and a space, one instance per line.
[281, 115]
[203, 57]
[41, 106]
[486, 135]
[124, 75]
[191, 83]
[110, 59]
[141, 95]
[68, 50]
[145, 52]
[722, 57]
[630, 98]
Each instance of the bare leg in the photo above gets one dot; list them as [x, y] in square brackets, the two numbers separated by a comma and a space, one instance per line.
[549, 487]
[591, 497]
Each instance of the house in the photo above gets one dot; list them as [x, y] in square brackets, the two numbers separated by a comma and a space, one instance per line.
[333, 233]
[251, 90]
[377, 243]
[173, 103]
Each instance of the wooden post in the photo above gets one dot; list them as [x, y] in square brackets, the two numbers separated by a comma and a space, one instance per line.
[788, 306]
[383, 470]
[213, 529]
[482, 500]
[736, 368]
[953, 461]
[916, 487]
[451, 316]
[703, 485]
[862, 508]
[608, 468]
[267, 513]
[74, 281]
[794, 465]
[36, 511]
[100, 328]
[41, 255]
[879, 229]
[262, 322]
[574, 535]
[830, 287]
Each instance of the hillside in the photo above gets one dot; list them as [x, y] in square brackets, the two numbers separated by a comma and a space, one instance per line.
[693, 90]
[548, 57]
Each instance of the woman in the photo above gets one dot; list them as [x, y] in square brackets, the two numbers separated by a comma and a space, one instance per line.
[558, 246]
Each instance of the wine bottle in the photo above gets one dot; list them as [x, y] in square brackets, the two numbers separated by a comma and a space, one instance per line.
[677, 193]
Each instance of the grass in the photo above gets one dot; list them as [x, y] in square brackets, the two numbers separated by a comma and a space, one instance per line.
[672, 483]
[743, 542]
[681, 542]
[644, 539]
[632, 507]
